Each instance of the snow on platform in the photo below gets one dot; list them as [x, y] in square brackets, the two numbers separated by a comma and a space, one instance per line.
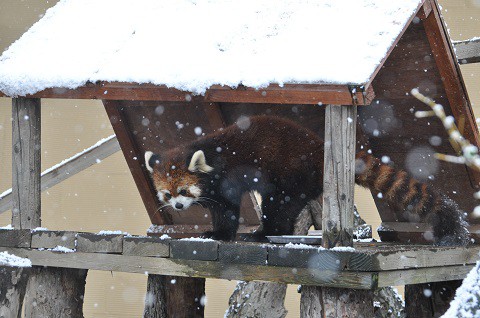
[193, 44]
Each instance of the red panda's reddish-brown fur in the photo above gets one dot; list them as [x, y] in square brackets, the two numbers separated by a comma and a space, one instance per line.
[284, 163]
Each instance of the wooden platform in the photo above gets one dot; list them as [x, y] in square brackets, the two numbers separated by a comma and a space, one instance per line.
[367, 266]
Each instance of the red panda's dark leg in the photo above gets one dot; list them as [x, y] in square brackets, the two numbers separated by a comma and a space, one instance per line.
[279, 213]
[225, 221]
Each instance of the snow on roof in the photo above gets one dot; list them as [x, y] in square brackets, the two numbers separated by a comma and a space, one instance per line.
[193, 44]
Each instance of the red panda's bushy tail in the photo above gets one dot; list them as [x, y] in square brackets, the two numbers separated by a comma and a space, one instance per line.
[418, 202]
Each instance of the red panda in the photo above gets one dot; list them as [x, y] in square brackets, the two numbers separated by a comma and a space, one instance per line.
[283, 162]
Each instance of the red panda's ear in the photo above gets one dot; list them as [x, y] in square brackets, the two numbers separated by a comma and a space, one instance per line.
[198, 163]
[151, 160]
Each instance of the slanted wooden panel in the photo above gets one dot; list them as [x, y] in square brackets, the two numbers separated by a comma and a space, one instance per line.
[392, 129]
[159, 126]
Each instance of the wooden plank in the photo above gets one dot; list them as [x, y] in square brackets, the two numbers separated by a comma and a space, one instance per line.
[423, 275]
[234, 253]
[136, 165]
[203, 250]
[52, 239]
[339, 176]
[26, 155]
[15, 238]
[69, 167]
[97, 243]
[196, 268]
[212, 269]
[288, 94]
[190, 230]
[146, 246]
[468, 51]
[317, 258]
[415, 232]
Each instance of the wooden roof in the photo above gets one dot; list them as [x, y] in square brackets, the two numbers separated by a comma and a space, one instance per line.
[421, 56]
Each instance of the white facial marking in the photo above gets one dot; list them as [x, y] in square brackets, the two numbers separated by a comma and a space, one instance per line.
[148, 155]
[195, 191]
[185, 201]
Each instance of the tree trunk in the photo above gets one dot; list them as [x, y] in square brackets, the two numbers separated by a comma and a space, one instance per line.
[55, 292]
[263, 299]
[172, 296]
[335, 303]
[14, 283]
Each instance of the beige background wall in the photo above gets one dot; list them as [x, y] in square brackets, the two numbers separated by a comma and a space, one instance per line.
[105, 197]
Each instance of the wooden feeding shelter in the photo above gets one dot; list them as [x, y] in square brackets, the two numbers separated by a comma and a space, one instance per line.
[162, 70]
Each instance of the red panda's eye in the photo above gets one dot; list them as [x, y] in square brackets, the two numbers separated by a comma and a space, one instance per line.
[168, 196]
[183, 192]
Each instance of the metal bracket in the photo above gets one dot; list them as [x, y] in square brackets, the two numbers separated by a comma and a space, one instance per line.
[353, 89]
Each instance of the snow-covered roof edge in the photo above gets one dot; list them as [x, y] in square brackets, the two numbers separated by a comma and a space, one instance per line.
[259, 43]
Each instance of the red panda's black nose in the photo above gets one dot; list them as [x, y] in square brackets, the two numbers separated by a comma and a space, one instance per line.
[178, 206]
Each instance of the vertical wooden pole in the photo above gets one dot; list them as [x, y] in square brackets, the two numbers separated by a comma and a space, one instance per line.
[51, 292]
[26, 195]
[339, 175]
[337, 217]
[26, 163]
[172, 296]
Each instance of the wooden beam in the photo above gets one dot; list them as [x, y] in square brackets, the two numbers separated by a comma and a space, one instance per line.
[288, 94]
[69, 167]
[339, 176]
[215, 269]
[468, 51]
[139, 172]
[26, 157]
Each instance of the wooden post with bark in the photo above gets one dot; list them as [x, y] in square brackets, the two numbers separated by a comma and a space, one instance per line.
[51, 292]
[337, 217]
[174, 296]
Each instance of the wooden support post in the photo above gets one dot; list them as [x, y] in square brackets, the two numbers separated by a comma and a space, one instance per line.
[14, 282]
[339, 175]
[51, 292]
[335, 302]
[26, 195]
[26, 163]
[174, 296]
[429, 299]
[337, 218]
[55, 292]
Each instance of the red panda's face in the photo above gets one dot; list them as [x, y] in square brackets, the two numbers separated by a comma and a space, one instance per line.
[177, 185]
